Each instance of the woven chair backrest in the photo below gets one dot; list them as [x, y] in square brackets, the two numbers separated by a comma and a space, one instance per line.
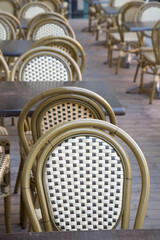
[32, 9]
[119, 3]
[88, 178]
[61, 108]
[148, 12]
[49, 27]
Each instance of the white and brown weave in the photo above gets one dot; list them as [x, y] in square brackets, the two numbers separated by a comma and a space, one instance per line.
[83, 180]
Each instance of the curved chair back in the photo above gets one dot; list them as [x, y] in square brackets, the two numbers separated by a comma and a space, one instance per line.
[46, 64]
[31, 9]
[7, 31]
[49, 27]
[148, 12]
[84, 178]
[68, 44]
[15, 23]
[8, 6]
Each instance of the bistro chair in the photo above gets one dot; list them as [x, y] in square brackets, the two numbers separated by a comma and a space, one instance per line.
[8, 6]
[49, 27]
[31, 9]
[148, 12]
[83, 178]
[127, 41]
[45, 64]
[54, 107]
[150, 61]
[68, 44]
[5, 191]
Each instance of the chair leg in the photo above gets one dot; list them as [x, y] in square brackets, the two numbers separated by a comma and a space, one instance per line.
[7, 202]
[16, 188]
[141, 83]
[156, 78]
[136, 73]
[119, 61]
[2, 121]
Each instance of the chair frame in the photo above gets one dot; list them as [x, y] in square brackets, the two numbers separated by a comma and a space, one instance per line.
[54, 136]
[13, 4]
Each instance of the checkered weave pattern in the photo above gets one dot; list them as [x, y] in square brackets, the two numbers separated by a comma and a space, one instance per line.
[45, 68]
[49, 30]
[4, 164]
[3, 32]
[64, 112]
[83, 180]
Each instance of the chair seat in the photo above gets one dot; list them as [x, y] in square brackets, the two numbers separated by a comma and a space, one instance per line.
[128, 37]
[3, 131]
[4, 164]
[149, 56]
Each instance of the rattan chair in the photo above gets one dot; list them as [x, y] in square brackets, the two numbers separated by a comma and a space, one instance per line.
[5, 191]
[45, 64]
[53, 107]
[127, 42]
[31, 9]
[68, 44]
[49, 27]
[8, 6]
[7, 31]
[83, 178]
[147, 12]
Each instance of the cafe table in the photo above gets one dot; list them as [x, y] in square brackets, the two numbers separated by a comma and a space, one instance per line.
[14, 95]
[146, 234]
[139, 26]
[15, 48]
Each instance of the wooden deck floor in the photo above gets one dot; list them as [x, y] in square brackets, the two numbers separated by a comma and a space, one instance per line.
[142, 122]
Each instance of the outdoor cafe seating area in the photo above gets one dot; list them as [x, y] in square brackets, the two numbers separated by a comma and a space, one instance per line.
[79, 122]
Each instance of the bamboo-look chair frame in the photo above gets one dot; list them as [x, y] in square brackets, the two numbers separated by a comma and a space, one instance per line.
[65, 28]
[15, 23]
[72, 69]
[92, 101]
[65, 42]
[141, 35]
[29, 5]
[95, 128]
[11, 6]
[151, 61]
[5, 177]
[124, 38]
